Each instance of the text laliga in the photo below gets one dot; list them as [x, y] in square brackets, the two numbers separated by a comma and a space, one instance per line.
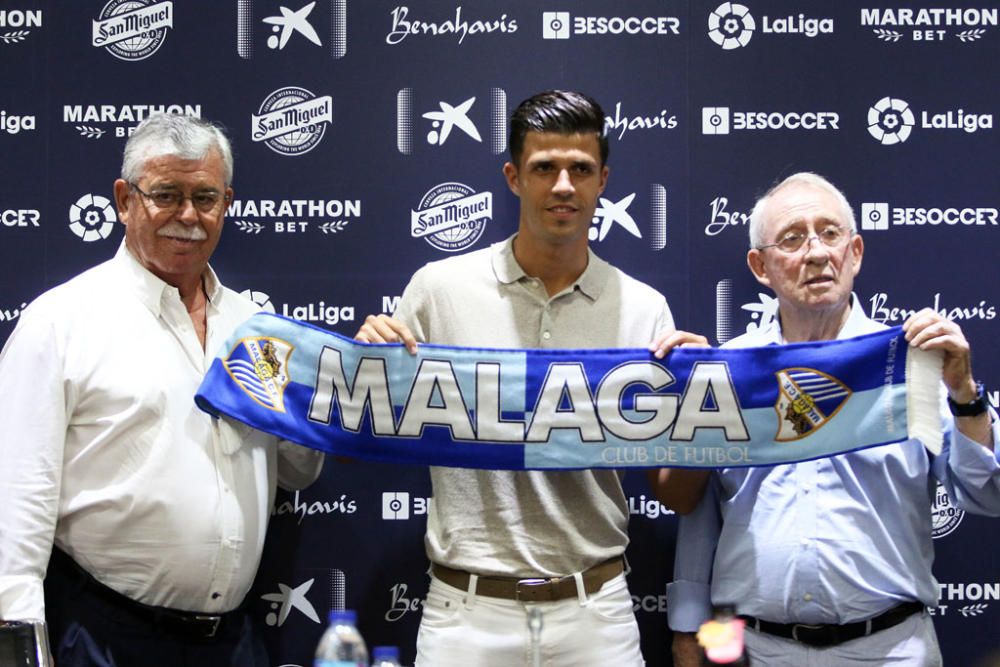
[435, 398]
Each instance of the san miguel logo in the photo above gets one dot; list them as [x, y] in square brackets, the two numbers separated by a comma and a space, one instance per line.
[807, 399]
[451, 216]
[260, 367]
[292, 120]
[132, 29]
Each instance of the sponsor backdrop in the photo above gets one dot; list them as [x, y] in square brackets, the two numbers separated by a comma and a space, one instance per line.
[369, 138]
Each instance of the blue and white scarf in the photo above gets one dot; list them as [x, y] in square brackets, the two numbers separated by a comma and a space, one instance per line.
[571, 409]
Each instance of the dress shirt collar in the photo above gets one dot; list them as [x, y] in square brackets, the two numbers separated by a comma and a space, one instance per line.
[857, 324]
[151, 290]
[591, 282]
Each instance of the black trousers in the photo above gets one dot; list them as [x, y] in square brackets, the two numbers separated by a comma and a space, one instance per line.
[90, 625]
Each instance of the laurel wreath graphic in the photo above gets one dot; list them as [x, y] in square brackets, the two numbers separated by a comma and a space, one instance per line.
[14, 37]
[971, 35]
[89, 132]
[887, 35]
[973, 609]
[249, 227]
[333, 226]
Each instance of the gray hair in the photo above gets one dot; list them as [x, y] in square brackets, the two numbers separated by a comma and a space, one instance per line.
[804, 178]
[187, 137]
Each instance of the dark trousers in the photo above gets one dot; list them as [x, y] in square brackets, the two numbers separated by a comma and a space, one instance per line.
[92, 626]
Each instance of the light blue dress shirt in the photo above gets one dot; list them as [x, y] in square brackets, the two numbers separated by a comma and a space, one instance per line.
[835, 540]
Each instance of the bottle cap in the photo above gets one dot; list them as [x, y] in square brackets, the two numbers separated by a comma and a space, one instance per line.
[385, 653]
[343, 616]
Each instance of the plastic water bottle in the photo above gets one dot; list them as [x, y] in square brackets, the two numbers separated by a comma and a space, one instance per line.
[385, 656]
[341, 644]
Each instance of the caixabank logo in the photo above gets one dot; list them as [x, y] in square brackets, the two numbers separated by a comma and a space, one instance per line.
[563, 25]
[16, 25]
[613, 219]
[895, 25]
[891, 120]
[94, 121]
[731, 25]
[328, 217]
[432, 122]
[303, 27]
[881, 216]
[732, 321]
[132, 29]
[291, 120]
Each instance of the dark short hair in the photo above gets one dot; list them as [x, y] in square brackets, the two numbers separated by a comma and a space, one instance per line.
[562, 111]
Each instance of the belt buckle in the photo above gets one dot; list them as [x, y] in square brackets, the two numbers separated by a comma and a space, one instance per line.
[528, 588]
[214, 620]
[820, 634]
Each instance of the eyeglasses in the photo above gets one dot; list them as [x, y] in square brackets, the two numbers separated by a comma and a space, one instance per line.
[171, 200]
[832, 236]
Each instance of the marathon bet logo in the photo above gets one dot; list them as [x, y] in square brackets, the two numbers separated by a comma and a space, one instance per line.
[721, 120]
[90, 120]
[560, 25]
[891, 120]
[403, 26]
[132, 29]
[451, 216]
[879, 216]
[92, 218]
[288, 25]
[979, 594]
[732, 26]
[291, 120]
[20, 20]
[967, 24]
[452, 121]
[12, 124]
[293, 216]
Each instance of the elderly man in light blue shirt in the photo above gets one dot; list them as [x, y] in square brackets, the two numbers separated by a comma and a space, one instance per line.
[829, 561]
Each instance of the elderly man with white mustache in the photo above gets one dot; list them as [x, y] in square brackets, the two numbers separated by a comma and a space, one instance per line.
[130, 521]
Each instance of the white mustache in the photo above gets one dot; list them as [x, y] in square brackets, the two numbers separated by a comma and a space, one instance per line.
[181, 231]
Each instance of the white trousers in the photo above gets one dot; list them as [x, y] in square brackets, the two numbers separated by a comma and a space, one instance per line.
[461, 629]
[912, 643]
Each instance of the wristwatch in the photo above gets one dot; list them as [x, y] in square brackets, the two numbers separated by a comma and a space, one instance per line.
[973, 408]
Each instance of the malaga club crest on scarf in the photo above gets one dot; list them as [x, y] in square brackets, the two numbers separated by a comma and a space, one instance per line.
[570, 409]
[807, 399]
[259, 366]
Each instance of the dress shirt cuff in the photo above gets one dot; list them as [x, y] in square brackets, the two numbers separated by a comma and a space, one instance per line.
[972, 458]
[21, 598]
[298, 466]
[689, 604]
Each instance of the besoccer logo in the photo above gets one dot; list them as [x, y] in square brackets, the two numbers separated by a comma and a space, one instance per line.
[731, 25]
[874, 216]
[715, 120]
[92, 218]
[890, 121]
[395, 505]
[555, 25]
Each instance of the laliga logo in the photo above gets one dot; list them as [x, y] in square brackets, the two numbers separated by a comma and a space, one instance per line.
[731, 25]
[807, 399]
[451, 216]
[92, 218]
[259, 365]
[291, 120]
[132, 29]
[890, 121]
